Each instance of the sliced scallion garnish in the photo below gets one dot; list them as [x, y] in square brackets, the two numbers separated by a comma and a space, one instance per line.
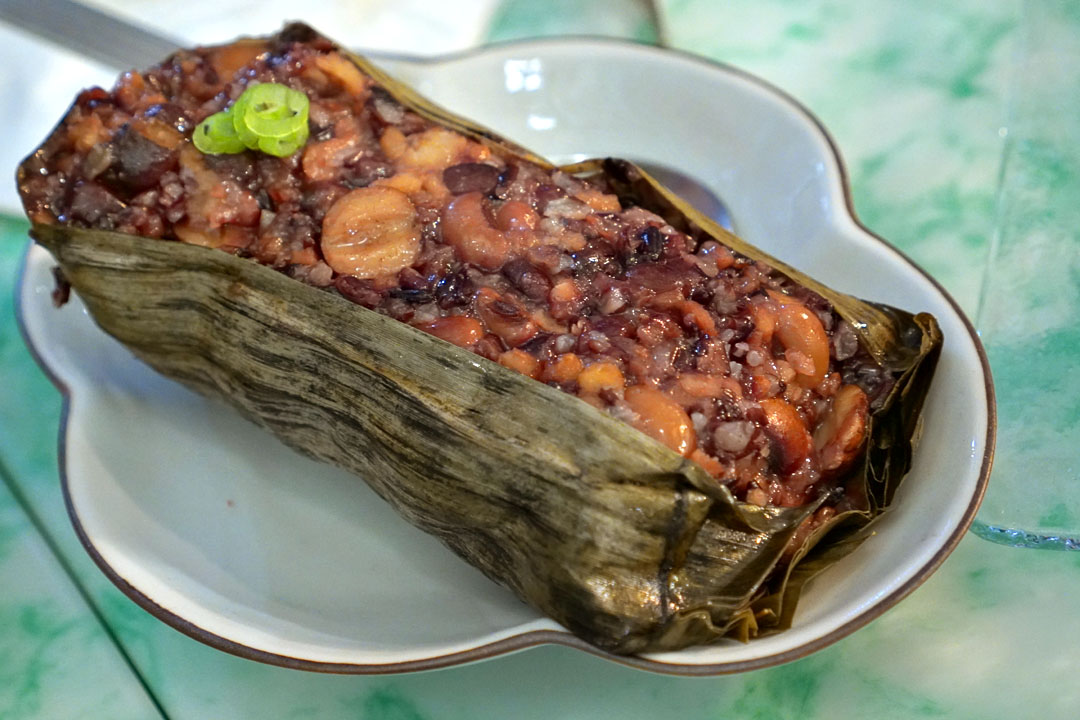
[216, 136]
[268, 117]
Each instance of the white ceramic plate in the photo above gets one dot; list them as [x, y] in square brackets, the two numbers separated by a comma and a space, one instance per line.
[222, 532]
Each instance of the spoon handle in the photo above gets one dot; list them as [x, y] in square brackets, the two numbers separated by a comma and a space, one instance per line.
[89, 31]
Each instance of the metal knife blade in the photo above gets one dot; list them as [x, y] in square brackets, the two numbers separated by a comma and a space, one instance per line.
[89, 31]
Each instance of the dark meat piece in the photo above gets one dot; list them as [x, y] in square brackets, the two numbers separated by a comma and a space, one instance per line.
[138, 162]
[94, 205]
[471, 177]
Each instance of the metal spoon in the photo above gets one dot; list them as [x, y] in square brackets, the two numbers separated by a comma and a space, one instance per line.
[89, 31]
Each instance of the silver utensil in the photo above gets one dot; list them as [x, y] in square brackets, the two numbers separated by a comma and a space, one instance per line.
[89, 31]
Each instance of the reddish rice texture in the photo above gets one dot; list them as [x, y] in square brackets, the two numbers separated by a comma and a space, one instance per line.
[717, 356]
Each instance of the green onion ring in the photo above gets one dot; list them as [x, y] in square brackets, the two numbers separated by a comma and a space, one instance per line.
[268, 117]
[216, 136]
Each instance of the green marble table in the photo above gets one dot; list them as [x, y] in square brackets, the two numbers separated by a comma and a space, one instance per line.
[958, 122]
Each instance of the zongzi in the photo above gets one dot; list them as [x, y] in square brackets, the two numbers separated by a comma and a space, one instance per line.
[277, 223]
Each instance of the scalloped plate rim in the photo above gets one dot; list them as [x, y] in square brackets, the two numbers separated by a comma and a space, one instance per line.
[551, 634]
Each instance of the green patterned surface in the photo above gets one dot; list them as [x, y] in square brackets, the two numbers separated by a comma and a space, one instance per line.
[915, 94]
[520, 19]
[54, 649]
[55, 654]
[1029, 306]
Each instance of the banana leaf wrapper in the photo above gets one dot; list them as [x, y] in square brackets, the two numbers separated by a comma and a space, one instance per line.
[621, 540]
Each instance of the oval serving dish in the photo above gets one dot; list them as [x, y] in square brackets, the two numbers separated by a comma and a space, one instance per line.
[181, 504]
